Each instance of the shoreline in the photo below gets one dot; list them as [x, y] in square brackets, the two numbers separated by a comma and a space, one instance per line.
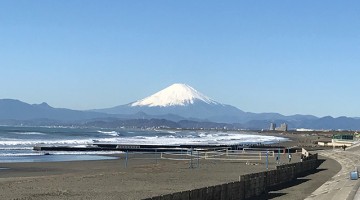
[143, 177]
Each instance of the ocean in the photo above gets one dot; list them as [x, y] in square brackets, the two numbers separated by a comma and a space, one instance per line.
[16, 143]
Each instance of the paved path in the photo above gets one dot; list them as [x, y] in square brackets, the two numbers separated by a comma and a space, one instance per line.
[340, 187]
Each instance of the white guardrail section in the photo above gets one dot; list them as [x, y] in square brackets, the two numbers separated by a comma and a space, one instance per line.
[231, 155]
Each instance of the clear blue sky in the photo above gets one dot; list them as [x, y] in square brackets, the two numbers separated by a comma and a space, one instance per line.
[290, 57]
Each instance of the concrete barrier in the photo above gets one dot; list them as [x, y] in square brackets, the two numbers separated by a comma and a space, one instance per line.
[249, 186]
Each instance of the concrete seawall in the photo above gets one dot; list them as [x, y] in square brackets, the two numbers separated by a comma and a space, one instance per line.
[249, 186]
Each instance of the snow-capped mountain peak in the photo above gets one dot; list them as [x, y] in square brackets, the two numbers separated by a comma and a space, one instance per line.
[174, 95]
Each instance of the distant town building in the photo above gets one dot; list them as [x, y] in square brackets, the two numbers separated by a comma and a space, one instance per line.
[343, 137]
[283, 127]
[339, 140]
[272, 127]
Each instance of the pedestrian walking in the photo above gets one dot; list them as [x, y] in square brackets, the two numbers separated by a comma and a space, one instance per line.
[289, 156]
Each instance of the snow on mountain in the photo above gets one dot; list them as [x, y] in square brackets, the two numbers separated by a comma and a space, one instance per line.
[174, 95]
[185, 102]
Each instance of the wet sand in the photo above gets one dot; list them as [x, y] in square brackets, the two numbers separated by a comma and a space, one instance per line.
[144, 176]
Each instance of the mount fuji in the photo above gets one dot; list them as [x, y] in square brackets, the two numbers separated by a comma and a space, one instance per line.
[175, 95]
[185, 101]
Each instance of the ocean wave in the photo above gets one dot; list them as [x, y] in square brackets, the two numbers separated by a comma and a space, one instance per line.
[139, 137]
[85, 152]
[222, 138]
[41, 153]
[21, 154]
[173, 132]
[24, 143]
[15, 148]
[202, 134]
[112, 133]
[29, 133]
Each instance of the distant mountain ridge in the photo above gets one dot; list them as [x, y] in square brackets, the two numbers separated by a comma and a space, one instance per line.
[11, 109]
[177, 105]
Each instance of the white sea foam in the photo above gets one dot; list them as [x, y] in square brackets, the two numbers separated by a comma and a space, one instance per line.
[112, 133]
[21, 154]
[16, 148]
[40, 153]
[85, 152]
[202, 138]
[188, 138]
[173, 132]
[30, 133]
[44, 142]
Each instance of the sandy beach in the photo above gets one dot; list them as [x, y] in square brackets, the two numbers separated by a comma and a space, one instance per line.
[144, 176]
